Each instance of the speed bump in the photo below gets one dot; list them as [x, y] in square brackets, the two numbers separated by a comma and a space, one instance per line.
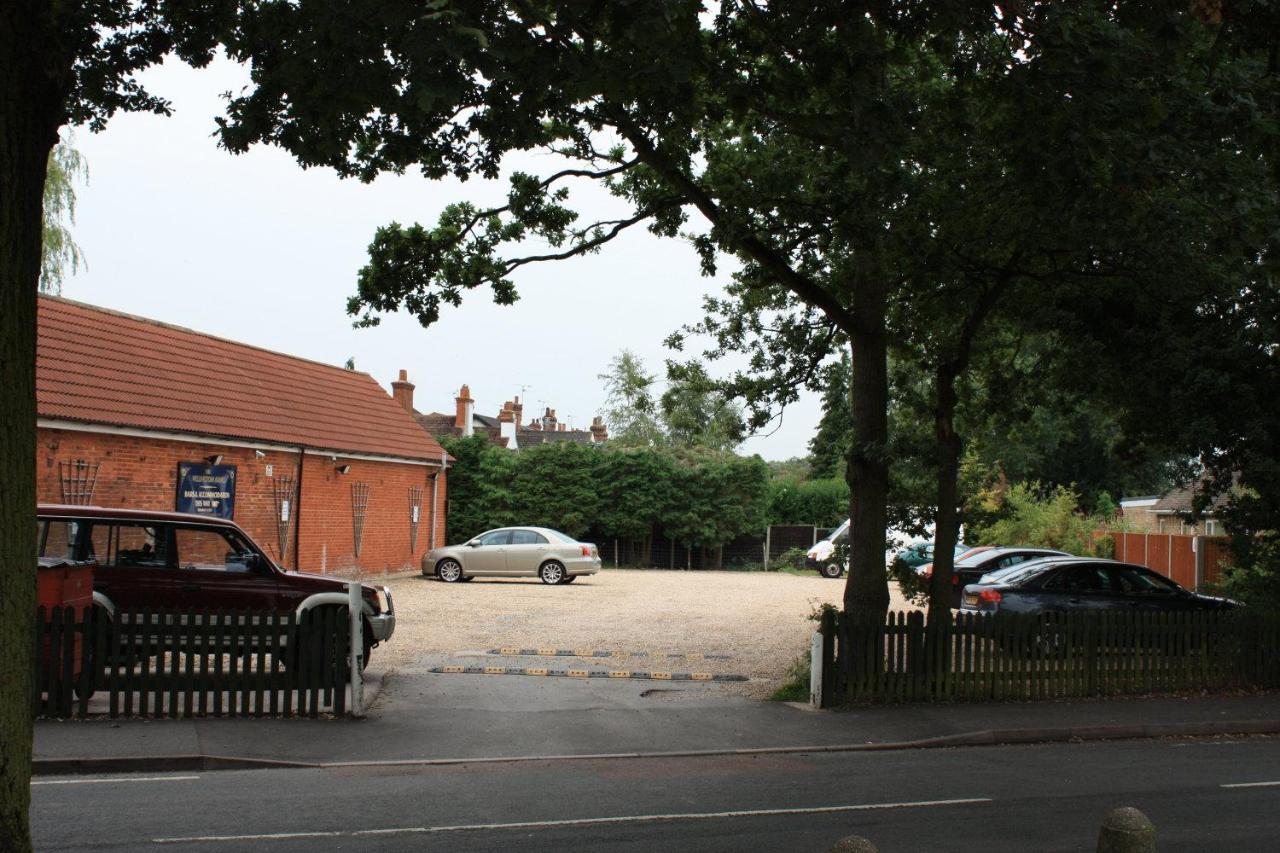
[550, 651]
[633, 674]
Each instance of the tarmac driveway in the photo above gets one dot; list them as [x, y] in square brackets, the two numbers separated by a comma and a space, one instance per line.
[752, 624]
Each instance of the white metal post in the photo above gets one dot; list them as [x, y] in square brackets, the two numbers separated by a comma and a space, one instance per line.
[355, 606]
[815, 670]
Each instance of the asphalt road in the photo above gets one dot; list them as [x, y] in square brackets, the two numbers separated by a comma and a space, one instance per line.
[1203, 795]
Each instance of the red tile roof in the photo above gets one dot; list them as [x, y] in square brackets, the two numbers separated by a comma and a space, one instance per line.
[104, 367]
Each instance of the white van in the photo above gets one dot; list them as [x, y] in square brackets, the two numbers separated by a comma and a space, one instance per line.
[822, 556]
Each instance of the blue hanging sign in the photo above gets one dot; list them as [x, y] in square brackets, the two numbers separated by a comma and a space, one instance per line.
[206, 489]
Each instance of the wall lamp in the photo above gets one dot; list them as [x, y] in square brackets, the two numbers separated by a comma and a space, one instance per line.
[215, 459]
[342, 469]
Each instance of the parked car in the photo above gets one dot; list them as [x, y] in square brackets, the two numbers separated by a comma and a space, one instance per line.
[540, 552]
[926, 569]
[919, 553]
[182, 561]
[1076, 583]
[972, 568]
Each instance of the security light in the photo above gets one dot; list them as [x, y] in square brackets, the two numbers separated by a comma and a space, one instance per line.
[215, 459]
[343, 469]
[258, 454]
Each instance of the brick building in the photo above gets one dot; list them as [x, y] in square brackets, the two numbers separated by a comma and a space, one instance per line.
[319, 464]
[508, 428]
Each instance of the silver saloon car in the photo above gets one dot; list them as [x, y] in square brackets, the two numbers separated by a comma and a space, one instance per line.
[514, 552]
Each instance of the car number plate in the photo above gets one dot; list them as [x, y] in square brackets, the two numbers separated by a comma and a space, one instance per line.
[970, 598]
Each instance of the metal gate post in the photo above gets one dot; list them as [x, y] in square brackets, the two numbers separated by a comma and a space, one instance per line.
[355, 606]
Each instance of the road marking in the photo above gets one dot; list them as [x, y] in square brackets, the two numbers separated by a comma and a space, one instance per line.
[96, 781]
[1252, 785]
[575, 822]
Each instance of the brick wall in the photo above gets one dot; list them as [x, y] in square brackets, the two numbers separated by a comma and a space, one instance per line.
[142, 473]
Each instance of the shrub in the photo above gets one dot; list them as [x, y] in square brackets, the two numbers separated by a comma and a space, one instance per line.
[1051, 520]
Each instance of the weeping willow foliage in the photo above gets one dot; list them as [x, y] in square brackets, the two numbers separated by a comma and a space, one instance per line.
[60, 256]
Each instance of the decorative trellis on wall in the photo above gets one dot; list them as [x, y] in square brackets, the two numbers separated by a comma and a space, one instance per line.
[415, 516]
[359, 504]
[283, 490]
[79, 478]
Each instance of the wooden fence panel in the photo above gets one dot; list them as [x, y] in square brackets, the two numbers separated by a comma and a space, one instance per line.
[163, 663]
[979, 657]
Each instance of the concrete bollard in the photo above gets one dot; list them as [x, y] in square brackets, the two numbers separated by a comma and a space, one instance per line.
[853, 844]
[1126, 830]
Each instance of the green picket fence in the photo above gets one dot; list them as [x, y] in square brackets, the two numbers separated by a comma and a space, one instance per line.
[980, 657]
[187, 663]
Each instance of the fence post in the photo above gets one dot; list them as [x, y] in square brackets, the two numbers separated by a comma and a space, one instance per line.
[1126, 830]
[1197, 546]
[355, 606]
[815, 670]
[768, 542]
[828, 631]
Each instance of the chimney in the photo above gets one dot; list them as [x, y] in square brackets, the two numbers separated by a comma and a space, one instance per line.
[599, 432]
[402, 390]
[549, 420]
[563, 427]
[507, 424]
[465, 417]
[518, 408]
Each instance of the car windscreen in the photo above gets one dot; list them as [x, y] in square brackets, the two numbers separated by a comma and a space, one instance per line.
[837, 533]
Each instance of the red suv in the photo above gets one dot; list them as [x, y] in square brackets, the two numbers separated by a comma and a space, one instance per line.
[178, 561]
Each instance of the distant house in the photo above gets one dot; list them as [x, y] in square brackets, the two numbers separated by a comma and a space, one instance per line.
[507, 428]
[1170, 513]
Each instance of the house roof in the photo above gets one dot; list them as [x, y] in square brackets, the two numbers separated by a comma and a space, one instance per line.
[104, 367]
[440, 424]
[1178, 501]
[536, 436]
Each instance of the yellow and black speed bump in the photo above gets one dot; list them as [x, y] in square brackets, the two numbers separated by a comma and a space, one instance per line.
[573, 672]
[549, 652]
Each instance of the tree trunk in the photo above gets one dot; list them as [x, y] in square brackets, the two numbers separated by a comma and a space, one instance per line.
[946, 522]
[31, 103]
[866, 593]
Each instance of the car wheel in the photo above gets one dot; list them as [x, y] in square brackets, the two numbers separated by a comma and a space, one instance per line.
[468, 578]
[551, 572]
[832, 570]
[570, 578]
[449, 571]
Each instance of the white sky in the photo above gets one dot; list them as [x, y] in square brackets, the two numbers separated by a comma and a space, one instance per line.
[256, 249]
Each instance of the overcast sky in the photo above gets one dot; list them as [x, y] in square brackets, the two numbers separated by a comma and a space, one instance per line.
[256, 249]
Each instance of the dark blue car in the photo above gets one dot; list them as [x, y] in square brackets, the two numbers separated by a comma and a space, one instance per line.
[1076, 583]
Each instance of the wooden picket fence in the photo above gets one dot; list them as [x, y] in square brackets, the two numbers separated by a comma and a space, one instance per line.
[187, 663]
[994, 657]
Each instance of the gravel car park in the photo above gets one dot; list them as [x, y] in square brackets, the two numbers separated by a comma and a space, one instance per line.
[757, 619]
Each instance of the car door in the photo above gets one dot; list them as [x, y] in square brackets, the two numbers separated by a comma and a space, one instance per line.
[217, 569]
[1080, 586]
[489, 555]
[1138, 588]
[525, 552]
[135, 562]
